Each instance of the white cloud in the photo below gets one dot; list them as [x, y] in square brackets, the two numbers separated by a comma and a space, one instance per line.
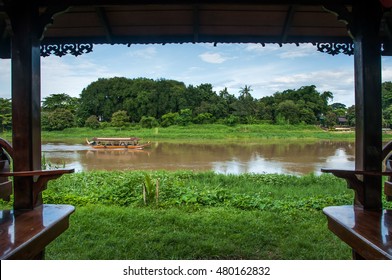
[148, 52]
[70, 75]
[298, 51]
[260, 49]
[211, 57]
[284, 51]
[5, 78]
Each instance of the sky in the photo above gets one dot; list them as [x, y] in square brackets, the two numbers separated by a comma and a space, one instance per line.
[266, 70]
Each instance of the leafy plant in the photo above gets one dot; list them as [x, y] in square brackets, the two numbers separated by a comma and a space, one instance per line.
[150, 192]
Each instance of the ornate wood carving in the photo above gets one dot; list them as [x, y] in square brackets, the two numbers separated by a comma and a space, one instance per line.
[336, 48]
[64, 49]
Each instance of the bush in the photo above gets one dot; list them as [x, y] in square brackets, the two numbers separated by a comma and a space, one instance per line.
[148, 122]
[59, 119]
[120, 119]
[231, 120]
[92, 122]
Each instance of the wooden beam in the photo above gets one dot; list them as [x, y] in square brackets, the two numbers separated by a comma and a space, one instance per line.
[196, 23]
[367, 63]
[26, 120]
[288, 22]
[148, 2]
[105, 23]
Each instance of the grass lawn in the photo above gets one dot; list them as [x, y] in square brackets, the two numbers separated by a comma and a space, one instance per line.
[126, 233]
[198, 216]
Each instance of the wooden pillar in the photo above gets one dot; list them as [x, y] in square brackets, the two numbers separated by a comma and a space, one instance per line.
[367, 63]
[26, 120]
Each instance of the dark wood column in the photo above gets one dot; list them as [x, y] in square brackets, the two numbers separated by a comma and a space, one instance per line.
[367, 62]
[26, 121]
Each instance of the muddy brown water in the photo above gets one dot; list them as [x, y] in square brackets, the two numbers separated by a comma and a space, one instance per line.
[295, 158]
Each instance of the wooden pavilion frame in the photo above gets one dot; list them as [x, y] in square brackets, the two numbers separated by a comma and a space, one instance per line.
[59, 27]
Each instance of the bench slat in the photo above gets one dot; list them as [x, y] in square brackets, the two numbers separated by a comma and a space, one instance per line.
[23, 235]
[369, 233]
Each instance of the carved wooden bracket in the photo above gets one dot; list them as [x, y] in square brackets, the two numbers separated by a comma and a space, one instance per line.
[353, 182]
[354, 179]
[40, 178]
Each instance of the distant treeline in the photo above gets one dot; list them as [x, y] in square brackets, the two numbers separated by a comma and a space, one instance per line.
[120, 102]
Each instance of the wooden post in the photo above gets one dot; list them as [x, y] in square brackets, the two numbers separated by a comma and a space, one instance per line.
[367, 61]
[26, 120]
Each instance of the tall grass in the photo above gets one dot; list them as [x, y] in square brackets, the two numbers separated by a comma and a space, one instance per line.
[197, 189]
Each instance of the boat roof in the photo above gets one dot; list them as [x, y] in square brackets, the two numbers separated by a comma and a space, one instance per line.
[115, 139]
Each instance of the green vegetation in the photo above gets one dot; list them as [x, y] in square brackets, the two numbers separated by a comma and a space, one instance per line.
[198, 216]
[121, 103]
[205, 132]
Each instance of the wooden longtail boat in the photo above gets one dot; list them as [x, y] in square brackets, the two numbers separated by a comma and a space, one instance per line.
[117, 143]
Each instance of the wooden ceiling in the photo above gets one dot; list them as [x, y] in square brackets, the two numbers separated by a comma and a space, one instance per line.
[214, 21]
[196, 23]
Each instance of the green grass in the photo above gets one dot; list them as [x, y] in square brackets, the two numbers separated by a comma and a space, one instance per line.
[200, 189]
[199, 216]
[113, 233]
[207, 132]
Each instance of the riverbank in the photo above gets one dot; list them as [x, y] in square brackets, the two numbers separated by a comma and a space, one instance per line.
[209, 132]
[205, 132]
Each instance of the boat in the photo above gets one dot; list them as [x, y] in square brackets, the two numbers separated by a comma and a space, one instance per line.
[117, 143]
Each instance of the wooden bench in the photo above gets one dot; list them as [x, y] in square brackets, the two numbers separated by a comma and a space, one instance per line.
[367, 232]
[24, 233]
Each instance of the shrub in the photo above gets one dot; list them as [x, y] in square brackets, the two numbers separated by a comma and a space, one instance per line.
[92, 122]
[148, 122]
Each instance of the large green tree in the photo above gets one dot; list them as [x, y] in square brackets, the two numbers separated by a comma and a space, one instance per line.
[58, 119]
[60, 101]
[5, 114]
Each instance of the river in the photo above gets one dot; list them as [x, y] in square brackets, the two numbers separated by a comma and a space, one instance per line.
[295, 157]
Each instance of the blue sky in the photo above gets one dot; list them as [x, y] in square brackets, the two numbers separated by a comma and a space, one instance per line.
[265, 69]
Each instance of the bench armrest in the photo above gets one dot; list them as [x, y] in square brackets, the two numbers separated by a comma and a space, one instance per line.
[40, 178]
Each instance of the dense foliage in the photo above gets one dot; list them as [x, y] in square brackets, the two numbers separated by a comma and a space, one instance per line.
[168, 102]
[247, 191]
[120, 102]
[172, 102]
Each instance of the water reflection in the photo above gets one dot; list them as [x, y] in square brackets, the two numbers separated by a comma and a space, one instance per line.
[229, 158]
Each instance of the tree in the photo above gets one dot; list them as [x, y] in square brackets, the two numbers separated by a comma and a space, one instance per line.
[245, 106]
[5, 114]
[330, 119]
[185, 117]
[148, 122]
[351, 115]
[307, 116]
[92, 122]
[59, 119]
[337, 106]
[60, 101]
[386, 90]
[120, 119]
[169, 119]
[203, 118]
[289, 111]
